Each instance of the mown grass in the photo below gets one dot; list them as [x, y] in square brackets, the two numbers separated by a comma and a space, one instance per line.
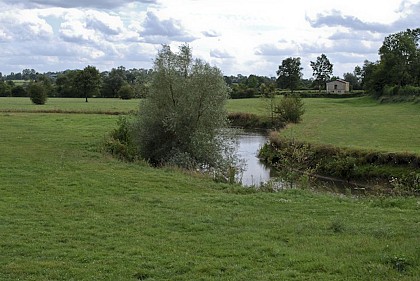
[76, 105]
[355, 122]
[69, 212]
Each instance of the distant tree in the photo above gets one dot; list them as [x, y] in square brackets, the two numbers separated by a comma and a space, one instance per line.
[268, 93]
[113, 82]
[88, 81]
[352, 79]
[66, 84]
[29, 74]
[37, 93]
[322, 70]
[5, 89]
[180, 121]
[126, 92]
[400, 57]
[18, 91]
[289, 74]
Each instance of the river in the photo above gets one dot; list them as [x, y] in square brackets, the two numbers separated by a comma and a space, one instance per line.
[255, 172]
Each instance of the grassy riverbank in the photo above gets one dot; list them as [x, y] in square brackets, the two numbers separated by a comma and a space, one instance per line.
[71, 212]
[354, 122]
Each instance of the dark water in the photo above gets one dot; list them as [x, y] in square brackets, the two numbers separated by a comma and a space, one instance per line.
[255, 172]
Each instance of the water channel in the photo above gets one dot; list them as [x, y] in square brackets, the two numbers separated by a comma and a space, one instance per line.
[256, 172]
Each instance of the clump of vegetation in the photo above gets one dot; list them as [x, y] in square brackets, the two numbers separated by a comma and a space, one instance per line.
[120, 141]
[290, 109]
[126, 92]
[253, 121]
[37, 93]
[400, 169]
[399, 263]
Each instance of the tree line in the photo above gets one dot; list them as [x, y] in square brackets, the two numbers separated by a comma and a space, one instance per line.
[89, 82]
[397, 72]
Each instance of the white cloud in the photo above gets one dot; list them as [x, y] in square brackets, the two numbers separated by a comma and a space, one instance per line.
[248, 37]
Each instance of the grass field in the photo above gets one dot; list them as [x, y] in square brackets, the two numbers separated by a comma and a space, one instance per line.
[355, 122]
[70, 105]
[69, 212]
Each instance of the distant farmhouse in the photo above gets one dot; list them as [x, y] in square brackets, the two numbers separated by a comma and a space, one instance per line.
[338, 87]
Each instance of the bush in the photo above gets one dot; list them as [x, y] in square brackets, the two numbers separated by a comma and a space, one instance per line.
[290, 109]
[252, 121]
[120, 142]
[37, 93]
[126, 92]
[409, 91]
[238, 93]
[18, 91]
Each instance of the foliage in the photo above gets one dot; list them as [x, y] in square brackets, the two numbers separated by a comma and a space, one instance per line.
[126, 92]
[290, 109]
[120, 141]
[184, 113]
[88, 81]
[37, 93]
[112, 82]
[5, 89]
[66, 84]
[399, 64]
[241, 91]
[345, 163]
[253, 121]
[322, 70]
[18, 91]
[289, 74]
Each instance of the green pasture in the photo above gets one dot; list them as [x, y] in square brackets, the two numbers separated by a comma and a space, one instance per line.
[70, 212]
[99, 105]
[354, 122]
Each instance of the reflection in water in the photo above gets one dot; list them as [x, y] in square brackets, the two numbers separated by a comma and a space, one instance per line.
[255, 172]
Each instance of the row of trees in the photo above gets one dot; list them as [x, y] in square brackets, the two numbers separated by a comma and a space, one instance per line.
[85, 83]
[397, 71]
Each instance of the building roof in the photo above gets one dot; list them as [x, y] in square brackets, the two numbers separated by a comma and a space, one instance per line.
[338, 80]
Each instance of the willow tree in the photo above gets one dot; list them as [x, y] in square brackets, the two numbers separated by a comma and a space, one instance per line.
[180, 121]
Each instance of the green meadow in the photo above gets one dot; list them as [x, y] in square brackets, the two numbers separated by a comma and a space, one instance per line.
[71, 212]
[350, 122]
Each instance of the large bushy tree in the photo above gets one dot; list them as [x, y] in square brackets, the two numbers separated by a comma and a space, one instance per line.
[289, 74]
[180, 121]
[88, 81]
[399, 64]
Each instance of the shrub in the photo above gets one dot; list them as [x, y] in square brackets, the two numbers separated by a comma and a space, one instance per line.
[290, 109]
[37, 93]
[120, 142]
[18, 91]
[409, 91]
[126, 92]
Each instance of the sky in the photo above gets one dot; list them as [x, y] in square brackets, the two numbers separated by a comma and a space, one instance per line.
[239, 37]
